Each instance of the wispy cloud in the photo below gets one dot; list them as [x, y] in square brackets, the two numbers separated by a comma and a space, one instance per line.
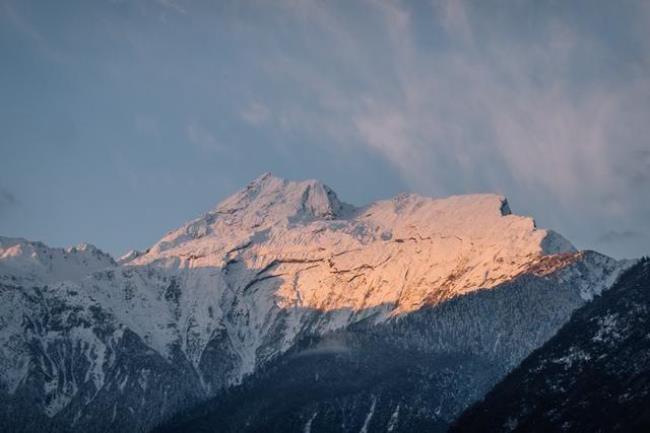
[28, 30]
[531, 99]
[506, 108]
[202, 137]
[173, 5]
[256, 113]
[483, 101]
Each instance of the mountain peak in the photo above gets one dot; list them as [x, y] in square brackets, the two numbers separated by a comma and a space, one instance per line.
[263, 178]
[37, 261]
[272, 196]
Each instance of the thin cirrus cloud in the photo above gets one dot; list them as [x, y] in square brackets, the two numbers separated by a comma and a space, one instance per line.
[504, 106]
[545, 102]
[547, 113]
[200, 136]
[256, 113]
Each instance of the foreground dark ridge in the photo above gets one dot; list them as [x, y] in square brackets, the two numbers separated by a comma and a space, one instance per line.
[593, 376]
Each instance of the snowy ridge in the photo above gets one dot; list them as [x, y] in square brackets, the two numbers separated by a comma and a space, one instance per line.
[301, 229]
[238, 286]
[35, 261]
[294, 247]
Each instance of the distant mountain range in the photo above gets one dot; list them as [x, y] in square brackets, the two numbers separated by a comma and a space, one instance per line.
[285, 309]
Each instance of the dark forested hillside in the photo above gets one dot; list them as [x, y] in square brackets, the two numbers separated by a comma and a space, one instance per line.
[414, 373]
[593, 376]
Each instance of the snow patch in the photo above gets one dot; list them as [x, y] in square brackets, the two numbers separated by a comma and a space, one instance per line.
[371, 412]
[575, 355]
[608, 331]
[394, 418]
[307, 428]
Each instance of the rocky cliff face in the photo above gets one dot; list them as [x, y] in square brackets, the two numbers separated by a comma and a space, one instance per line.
[87, 344]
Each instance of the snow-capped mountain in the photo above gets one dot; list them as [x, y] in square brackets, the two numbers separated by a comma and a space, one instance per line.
[23, 260]
[416, 372]
[89, 344]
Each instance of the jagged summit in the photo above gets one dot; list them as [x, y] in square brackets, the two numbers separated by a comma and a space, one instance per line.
[270, 202]
[36, 261]
[271, 196]
[301, 240]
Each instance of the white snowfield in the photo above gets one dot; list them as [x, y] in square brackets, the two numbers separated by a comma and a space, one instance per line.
[37, 262]
[276, 259]
[306, 249]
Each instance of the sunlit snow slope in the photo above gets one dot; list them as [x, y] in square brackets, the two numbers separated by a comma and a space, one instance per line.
[224, 294]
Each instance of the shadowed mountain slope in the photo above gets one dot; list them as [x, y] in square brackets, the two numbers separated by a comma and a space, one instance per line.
[416, 372]
[593, 376]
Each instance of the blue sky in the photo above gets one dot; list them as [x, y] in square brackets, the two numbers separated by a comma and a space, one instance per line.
[120, 120]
